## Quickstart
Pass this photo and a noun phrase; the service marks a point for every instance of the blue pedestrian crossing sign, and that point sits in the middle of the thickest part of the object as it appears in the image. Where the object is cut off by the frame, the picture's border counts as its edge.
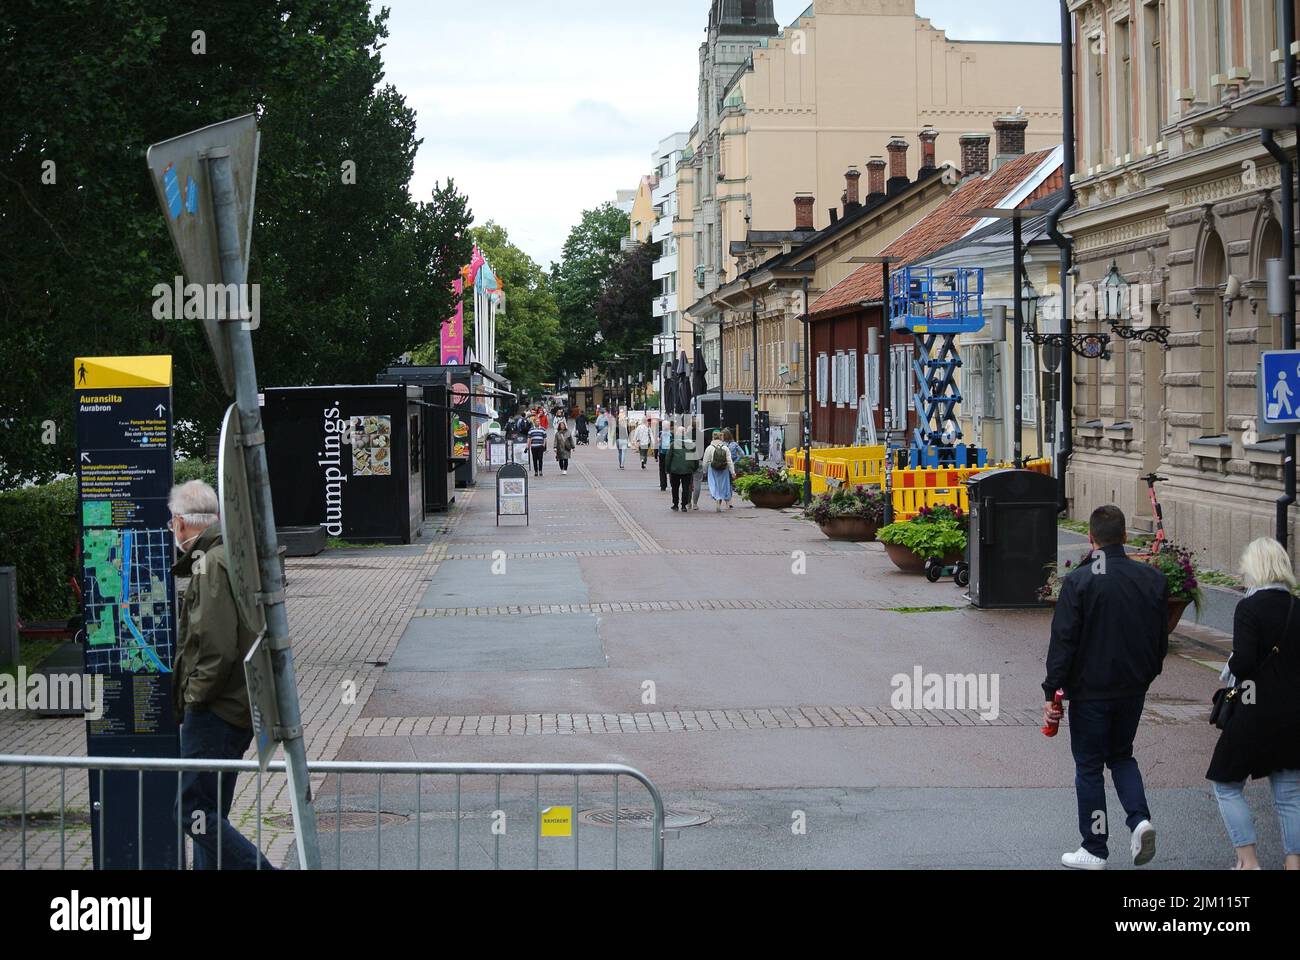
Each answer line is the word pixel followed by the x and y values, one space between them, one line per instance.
pixel 1280 388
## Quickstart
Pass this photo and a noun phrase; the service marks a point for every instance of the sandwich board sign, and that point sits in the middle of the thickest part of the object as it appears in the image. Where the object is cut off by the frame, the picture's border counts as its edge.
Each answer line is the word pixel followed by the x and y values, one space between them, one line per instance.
pixel 179 173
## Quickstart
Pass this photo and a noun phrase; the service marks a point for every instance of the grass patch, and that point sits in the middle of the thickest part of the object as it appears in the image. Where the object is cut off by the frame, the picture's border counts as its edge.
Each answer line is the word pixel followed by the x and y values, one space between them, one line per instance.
pixel 31 654
pixel 1074 526
pixel 333 543
pixel 1216 578
pixel 912 610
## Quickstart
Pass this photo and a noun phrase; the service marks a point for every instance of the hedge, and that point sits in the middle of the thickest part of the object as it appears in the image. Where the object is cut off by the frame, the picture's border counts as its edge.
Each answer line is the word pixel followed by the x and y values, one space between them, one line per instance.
pixel 38 535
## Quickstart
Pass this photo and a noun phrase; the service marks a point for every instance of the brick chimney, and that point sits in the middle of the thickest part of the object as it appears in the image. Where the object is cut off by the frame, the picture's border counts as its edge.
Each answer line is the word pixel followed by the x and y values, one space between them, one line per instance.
pixel 1011 138
pixel 928 136
pixel 876 167
pixel 975 154
pixel 898 178
pixel 852 194
pixel 803 211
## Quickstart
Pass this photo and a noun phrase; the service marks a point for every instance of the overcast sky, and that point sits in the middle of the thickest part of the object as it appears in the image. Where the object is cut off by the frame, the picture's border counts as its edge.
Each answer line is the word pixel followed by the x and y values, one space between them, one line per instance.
pixel 540 110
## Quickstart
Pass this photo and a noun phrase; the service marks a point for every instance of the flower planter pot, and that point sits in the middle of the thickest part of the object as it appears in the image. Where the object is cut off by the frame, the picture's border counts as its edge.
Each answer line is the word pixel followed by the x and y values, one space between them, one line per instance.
pixel 1176 610
pixel 909 562
pixel 850 529
pixel 767 500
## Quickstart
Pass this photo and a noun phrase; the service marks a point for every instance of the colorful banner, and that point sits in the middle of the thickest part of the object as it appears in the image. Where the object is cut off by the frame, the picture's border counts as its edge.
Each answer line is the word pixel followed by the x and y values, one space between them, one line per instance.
pixel 453 331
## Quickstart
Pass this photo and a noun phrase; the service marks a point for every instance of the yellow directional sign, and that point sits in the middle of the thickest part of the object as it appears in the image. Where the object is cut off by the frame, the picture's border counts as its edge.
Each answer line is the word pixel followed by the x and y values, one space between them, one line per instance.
pixel 557 822
pixel 118 373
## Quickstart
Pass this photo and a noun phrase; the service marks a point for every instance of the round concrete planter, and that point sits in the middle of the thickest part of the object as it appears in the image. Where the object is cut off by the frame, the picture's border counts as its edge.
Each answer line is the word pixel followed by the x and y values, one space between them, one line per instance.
pixel 909 562
pixel 851 530
pixel 767 500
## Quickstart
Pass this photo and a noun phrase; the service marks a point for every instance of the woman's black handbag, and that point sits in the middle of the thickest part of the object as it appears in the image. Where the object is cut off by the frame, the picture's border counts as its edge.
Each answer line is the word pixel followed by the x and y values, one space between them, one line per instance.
pixel 1227 700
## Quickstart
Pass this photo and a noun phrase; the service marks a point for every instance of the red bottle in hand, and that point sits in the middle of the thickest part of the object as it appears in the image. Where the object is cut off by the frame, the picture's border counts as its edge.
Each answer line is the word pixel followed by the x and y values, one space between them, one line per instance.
pixel 1054 726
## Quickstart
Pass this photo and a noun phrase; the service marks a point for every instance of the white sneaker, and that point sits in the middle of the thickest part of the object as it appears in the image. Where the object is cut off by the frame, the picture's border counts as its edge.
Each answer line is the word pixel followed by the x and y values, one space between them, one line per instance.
pixel 1081 859
pixel 1144 844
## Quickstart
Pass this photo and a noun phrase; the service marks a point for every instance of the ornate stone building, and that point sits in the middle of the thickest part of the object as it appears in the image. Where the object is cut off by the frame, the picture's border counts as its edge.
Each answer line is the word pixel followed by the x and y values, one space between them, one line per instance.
pixel 1188 214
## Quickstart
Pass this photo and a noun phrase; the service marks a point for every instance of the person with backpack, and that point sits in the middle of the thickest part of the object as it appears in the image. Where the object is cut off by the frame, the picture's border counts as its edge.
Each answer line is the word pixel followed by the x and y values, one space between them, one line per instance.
pixel 1261 725
pixel 563 447
pixel 722 470
pixel 537 443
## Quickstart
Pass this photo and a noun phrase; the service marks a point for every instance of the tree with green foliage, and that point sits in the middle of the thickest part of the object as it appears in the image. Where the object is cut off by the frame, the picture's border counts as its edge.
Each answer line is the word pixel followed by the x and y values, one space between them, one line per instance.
pixel 590 254
pixel 625 310
pixel 350 274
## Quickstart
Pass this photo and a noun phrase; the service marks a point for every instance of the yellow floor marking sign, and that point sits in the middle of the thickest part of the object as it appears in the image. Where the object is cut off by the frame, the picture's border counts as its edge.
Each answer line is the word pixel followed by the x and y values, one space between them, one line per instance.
pixel 557 822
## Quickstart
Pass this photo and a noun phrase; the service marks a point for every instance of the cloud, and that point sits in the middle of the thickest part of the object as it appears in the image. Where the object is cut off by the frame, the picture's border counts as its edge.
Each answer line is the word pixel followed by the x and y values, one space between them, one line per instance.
pixel 541 110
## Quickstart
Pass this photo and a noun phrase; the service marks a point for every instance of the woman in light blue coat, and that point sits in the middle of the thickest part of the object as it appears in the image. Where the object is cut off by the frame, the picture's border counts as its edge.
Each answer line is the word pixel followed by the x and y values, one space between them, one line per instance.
pixel 722 470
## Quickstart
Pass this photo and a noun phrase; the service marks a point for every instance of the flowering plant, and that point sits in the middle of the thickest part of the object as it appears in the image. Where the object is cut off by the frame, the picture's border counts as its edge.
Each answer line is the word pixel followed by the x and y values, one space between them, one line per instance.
pixel 934 533
pixel 862 503
pixel 765 480
pixel 1174 562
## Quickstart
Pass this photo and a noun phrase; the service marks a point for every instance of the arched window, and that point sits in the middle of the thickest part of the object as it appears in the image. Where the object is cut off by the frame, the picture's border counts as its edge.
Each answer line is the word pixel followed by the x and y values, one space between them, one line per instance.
pixel 1213 277
pixel 1268 247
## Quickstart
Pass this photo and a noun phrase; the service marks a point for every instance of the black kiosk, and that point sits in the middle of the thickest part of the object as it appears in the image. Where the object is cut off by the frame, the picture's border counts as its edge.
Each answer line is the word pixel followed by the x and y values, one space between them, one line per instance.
pixel 349 459
pixel 470 387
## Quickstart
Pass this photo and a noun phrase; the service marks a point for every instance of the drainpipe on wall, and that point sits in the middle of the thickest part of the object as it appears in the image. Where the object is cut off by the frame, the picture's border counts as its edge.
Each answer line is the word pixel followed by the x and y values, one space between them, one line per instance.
pixel 1287 169
pixel 1067 256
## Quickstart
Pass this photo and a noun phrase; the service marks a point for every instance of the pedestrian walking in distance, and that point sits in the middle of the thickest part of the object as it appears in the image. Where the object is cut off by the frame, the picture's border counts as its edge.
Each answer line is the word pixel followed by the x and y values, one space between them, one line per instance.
pixel 621 440
pixel 700 479
pixel 665 446
pixel 564 444
pixel 208 680
pixel 642 438
pixel 1261 736
pixel 1110 637
pixel 681 469
pixel 537 443
pixel 722 470
pixel 602 428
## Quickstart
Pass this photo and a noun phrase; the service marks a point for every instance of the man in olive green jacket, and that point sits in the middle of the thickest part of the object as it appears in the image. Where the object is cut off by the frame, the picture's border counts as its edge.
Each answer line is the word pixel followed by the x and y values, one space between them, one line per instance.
pixel 682 461
pixel 208 681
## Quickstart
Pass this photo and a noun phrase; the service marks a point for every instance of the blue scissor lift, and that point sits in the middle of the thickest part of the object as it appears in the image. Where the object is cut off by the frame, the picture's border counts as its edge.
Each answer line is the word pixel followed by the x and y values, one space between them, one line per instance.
pixel 936 306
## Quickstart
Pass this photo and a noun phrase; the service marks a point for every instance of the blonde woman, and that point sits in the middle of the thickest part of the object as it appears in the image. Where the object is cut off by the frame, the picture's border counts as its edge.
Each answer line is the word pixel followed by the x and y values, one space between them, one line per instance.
pixel 1262 739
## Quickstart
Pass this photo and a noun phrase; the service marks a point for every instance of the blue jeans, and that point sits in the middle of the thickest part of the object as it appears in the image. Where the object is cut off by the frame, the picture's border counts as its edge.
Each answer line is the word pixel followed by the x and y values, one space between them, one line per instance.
pixel 622 453
pixel 205 736
pixel 1286 800
pixel 1101 735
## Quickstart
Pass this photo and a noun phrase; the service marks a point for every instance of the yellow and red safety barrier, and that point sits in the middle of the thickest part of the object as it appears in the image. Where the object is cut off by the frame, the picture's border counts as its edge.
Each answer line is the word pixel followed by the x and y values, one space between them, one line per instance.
pixel 915 490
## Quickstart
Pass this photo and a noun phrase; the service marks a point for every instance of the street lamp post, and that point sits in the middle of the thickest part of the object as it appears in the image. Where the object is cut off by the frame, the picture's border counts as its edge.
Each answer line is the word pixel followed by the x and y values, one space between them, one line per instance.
pixel 807 397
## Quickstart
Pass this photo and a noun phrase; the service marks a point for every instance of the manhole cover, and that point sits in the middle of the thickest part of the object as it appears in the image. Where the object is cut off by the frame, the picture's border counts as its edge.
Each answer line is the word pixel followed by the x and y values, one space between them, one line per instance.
pixel 644 817
pixel 347 822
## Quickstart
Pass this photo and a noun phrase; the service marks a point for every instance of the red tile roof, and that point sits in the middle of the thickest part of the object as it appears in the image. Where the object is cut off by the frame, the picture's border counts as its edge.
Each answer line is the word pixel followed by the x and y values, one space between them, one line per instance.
pixel 944 225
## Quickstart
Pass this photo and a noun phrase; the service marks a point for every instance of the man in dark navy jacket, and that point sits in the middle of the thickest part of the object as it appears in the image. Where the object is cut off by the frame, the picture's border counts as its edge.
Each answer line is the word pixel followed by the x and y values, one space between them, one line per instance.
pixel 1109 641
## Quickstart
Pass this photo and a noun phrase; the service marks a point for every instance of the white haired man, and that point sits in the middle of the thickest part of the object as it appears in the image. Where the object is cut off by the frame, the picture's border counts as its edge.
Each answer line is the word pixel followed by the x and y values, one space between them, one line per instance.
pixel 208 682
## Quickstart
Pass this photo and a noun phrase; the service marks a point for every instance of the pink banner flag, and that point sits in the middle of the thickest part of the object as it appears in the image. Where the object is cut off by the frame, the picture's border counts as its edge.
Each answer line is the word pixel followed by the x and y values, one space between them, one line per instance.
pixel 453 331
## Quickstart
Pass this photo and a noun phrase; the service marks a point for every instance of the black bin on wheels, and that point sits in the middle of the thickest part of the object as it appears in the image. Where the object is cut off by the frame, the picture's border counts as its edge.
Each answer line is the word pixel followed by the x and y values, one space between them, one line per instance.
pixel 1013 538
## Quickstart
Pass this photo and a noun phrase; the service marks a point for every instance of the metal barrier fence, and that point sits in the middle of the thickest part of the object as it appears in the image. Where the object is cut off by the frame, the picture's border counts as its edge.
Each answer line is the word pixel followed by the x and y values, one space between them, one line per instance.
pixel 915 490
pixel 836 467
pixel 338 769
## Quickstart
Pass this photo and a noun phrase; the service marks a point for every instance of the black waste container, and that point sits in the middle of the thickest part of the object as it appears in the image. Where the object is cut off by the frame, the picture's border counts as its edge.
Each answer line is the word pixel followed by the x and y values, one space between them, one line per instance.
pixel 1013 537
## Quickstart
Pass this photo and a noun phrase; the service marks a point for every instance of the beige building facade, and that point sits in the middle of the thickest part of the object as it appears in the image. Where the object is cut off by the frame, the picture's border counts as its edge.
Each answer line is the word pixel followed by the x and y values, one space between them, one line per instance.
pixel 787 112
pixel 1189 215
